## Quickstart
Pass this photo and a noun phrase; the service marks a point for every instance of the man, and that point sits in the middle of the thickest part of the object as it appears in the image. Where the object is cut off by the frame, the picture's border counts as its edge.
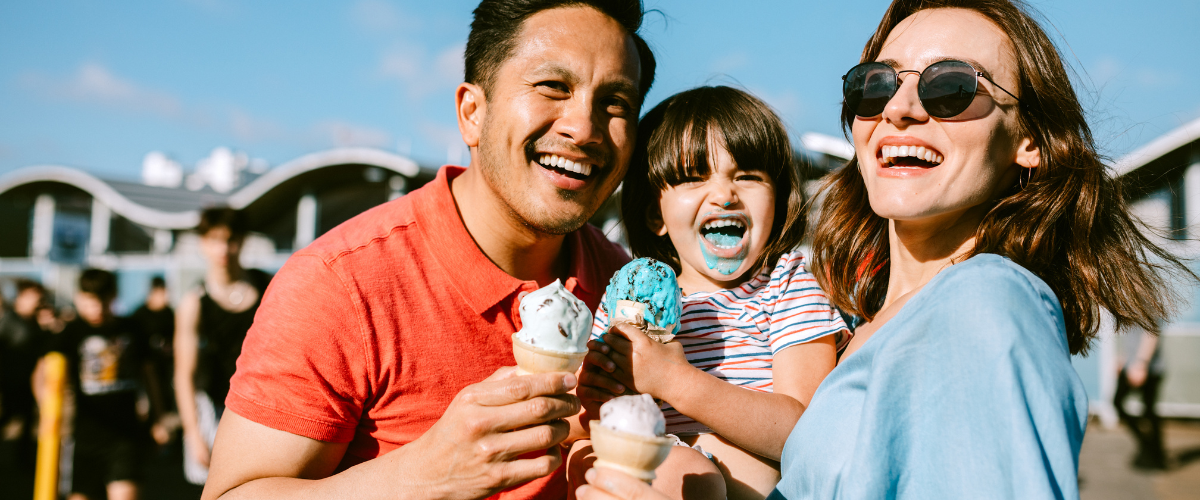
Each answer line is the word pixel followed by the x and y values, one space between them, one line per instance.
pixel 374 365
pixel 21 342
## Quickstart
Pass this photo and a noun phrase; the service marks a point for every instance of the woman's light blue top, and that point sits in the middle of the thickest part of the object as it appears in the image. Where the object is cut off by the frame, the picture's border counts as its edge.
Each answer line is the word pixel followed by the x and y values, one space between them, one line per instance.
pixel 968 392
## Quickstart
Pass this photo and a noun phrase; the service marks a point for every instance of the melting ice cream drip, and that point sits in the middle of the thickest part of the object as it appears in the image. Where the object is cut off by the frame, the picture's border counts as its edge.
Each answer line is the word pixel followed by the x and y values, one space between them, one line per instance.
pixel 552 318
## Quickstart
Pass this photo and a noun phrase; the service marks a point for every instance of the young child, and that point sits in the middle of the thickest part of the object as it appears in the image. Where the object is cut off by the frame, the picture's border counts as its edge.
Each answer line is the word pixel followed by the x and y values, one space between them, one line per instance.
pixel 712 191
pixel 107 364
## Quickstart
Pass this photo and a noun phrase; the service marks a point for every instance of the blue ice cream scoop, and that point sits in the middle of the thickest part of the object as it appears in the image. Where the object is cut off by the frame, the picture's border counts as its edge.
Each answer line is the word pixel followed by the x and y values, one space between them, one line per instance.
pixel 646 293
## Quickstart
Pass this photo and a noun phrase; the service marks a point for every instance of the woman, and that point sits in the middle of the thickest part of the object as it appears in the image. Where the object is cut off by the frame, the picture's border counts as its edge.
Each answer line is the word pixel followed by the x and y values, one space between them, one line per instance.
pixel 211 324
pixel 979 235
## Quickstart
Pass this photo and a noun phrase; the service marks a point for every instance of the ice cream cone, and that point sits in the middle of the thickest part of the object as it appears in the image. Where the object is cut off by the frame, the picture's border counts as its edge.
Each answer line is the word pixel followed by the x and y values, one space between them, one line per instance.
pixel 532 359
pixel 632 454
pixel 635 313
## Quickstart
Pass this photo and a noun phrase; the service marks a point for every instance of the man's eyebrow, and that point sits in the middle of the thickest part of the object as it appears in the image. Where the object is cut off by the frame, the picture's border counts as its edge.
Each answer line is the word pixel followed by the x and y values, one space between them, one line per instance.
pixel 621 86
pixel 550 68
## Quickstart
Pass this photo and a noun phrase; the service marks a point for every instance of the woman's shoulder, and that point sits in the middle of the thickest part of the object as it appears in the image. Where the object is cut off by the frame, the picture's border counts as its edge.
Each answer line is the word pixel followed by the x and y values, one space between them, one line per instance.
pixel 991 281
pixel 988 302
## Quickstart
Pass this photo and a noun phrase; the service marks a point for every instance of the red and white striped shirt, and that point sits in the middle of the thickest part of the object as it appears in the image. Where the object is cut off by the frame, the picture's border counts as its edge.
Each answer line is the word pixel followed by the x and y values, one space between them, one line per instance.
pixel 734 334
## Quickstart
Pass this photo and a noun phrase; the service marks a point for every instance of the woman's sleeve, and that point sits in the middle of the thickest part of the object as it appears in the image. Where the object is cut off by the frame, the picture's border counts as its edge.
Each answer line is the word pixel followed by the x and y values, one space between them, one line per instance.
pixel 975 398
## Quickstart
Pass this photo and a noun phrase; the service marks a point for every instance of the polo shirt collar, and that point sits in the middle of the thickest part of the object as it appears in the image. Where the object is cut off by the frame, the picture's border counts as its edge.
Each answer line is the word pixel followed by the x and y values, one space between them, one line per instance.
pixel 480 282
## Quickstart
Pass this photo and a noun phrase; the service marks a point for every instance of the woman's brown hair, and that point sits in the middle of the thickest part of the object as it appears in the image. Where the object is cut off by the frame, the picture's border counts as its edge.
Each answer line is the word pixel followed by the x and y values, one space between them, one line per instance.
pixel 673 144
pixel 1065 221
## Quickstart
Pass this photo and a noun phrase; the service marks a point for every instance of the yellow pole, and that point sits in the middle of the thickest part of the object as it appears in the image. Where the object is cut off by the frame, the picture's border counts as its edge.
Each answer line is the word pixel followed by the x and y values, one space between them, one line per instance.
pixel 54 367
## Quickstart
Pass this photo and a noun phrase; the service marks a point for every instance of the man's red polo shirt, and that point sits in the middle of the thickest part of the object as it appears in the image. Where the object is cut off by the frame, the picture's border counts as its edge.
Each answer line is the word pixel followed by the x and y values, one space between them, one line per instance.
pixel 366 335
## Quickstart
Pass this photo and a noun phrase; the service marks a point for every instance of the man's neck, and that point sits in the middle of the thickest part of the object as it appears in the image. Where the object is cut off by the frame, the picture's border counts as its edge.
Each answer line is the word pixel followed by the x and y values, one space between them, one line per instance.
pixel 517 249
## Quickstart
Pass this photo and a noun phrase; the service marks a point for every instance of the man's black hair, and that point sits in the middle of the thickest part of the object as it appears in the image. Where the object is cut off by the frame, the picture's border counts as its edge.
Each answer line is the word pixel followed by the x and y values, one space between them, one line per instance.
pixel 98 282
pixel 157 282
pixel 498 22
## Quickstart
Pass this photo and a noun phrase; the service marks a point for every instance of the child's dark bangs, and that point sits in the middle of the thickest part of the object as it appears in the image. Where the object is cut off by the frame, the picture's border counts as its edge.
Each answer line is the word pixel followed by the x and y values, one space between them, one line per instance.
pixel 754 137
pixel 678 147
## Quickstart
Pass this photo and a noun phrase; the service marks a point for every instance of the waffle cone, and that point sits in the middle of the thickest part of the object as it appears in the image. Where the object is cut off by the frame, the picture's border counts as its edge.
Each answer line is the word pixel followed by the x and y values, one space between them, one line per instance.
pixel 635 455
pixel 532 359
pixel 635 313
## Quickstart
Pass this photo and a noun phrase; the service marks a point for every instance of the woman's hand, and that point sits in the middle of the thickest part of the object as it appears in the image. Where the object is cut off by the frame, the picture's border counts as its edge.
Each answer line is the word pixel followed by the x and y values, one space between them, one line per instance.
pixel 608 484
pixel 642 363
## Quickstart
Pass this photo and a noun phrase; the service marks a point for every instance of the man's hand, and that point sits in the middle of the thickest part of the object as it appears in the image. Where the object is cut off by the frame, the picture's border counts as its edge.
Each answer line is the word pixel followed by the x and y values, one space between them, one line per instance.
pixel 608 484
pixel 475 449
pixel 642 363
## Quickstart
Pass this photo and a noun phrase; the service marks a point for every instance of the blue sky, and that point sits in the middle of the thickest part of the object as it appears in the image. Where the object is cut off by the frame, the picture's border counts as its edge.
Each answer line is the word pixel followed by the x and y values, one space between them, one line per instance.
pixel 99 84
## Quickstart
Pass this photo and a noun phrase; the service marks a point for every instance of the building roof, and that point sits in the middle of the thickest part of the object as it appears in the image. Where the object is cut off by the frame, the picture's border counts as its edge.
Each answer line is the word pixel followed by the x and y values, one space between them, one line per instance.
pixel 1158 148
pixel 178 208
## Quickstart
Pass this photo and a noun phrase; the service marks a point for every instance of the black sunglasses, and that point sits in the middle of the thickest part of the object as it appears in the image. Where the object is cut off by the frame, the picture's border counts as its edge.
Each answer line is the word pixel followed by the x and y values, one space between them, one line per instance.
pixel 946 88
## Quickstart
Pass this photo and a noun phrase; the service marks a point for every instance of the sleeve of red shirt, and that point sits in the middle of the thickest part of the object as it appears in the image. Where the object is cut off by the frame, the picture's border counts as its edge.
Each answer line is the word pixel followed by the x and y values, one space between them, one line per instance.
pixel 304 365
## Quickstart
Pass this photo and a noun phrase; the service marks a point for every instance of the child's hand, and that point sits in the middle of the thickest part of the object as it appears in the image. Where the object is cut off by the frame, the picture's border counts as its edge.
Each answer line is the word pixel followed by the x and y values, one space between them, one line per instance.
pixel 597 384
pixel 643 364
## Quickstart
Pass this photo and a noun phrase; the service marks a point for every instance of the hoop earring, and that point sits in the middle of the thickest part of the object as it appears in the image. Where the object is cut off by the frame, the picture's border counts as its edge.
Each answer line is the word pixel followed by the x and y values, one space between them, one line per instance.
pixel 1024 177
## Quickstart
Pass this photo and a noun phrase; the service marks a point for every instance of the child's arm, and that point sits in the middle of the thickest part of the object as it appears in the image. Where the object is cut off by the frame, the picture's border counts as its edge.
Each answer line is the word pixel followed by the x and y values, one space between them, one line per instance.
pixel 759 422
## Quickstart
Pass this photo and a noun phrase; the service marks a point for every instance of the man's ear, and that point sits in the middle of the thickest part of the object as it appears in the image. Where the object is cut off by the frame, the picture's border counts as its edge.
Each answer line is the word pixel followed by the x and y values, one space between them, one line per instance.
pixel 471 106
pixel 1029 155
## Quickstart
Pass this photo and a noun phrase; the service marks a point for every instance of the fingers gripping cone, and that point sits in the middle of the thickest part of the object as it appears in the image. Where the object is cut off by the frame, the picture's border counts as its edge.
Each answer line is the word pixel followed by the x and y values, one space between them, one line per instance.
pixel 632 454
pixel 635 313
pixel 531 359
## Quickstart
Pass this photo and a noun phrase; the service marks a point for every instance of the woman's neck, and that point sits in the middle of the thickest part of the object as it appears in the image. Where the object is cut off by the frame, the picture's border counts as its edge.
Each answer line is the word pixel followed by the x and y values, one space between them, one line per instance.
pixel 921 249
pixel 223 276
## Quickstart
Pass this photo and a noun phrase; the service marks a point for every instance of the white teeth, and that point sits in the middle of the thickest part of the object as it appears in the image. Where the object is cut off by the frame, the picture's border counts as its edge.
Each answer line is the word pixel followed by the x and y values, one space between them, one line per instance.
pixel 723 223
pixel 890 153
pixel 584 169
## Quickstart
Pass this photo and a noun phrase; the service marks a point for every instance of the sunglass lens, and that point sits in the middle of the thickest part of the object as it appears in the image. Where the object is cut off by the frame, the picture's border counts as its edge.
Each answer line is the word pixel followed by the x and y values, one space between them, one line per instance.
pixel 947 88
pixel 868 88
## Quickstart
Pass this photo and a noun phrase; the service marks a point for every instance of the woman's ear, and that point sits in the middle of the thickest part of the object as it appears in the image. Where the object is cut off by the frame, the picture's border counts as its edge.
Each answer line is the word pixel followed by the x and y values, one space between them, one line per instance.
pixel 1029 155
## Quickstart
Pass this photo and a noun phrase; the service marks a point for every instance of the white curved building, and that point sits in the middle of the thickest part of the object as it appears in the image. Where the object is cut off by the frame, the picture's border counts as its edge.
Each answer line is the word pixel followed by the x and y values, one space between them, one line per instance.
pixel 56 220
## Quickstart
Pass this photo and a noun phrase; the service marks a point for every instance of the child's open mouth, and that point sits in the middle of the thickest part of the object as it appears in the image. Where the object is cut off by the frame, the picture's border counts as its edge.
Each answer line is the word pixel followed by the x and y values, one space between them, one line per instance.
pixel 724 233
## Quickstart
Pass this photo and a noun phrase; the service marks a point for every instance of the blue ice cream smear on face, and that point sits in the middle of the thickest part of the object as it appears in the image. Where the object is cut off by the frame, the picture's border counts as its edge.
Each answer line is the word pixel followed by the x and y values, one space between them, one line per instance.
pixel 652 283
pixel 723 265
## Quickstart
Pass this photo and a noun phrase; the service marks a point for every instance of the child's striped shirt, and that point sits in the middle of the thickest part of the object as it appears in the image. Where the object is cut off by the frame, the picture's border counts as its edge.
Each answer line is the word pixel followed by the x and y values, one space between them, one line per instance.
pixel 733 334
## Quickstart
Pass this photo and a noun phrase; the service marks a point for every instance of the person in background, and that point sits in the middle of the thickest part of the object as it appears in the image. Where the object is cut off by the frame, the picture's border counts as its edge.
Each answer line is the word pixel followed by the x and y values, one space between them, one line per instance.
pixel 211 324
pixel 108 363
pixel 157 319
pixel 1142 372
pixel 21 342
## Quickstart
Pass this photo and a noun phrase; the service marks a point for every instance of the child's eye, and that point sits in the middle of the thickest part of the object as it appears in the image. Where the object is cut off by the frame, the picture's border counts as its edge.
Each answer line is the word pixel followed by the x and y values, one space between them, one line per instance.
pixel 691 179
pixel 752 177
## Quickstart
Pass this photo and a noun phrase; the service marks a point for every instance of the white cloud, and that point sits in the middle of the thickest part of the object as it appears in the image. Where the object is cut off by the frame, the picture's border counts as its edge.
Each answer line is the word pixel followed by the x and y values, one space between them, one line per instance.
pixel 380 16
pixel 420 73
pixel 730 62
pixel 344 134
pixel 248 128
pixel 94 83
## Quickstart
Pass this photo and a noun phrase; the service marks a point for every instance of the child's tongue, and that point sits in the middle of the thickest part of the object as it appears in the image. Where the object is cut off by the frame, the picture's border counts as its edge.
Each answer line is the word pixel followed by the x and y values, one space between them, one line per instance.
pixel 722 240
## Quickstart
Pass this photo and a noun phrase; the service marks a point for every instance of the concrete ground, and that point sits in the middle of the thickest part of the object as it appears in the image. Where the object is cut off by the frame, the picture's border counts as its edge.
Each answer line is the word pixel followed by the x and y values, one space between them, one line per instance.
pixel 1105 472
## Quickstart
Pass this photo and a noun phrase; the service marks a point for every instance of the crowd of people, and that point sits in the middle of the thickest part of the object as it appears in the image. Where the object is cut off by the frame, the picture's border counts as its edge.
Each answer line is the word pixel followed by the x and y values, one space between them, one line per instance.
pixel 136 382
